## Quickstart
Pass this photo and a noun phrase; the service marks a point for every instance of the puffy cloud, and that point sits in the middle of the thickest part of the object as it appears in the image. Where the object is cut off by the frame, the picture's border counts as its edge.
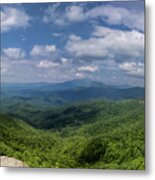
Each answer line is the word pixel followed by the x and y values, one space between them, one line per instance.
pixel 12 18
pixel 133 68
pixel 13 53
pixel 101 31
pixel 54 15
pixel 133 19
pixel 106 42
pixel 42 50
pixel 47 64
pixel 118 16
pixel 75 13
pixel 73 37
pixel 89 68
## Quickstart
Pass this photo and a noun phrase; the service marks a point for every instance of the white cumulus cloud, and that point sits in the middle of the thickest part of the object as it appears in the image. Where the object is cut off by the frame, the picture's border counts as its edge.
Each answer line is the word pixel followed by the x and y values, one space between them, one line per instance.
pixel 54 15
pixel 108 42
pixel 75 13
pixel 13 53
pixel 12 18
pixel 118 16
pixel 113 15
pixel 47 64
pixel 133 68
pixel 42 50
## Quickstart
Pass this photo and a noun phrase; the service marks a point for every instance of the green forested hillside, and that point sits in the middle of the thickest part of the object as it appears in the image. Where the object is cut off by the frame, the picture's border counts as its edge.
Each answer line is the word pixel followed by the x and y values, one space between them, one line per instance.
pixel 98 134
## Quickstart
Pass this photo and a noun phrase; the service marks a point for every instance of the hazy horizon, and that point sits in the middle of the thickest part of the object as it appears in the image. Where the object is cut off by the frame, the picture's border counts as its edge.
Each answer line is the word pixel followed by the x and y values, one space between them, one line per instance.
pixel 44 82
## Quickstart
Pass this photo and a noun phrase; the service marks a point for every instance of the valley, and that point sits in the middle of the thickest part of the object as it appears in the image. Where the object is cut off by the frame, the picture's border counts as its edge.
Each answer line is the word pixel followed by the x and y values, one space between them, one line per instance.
pixel 86 130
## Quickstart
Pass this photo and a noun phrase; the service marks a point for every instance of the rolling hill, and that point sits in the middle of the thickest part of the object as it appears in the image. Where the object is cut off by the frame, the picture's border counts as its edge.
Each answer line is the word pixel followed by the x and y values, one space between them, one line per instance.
pixel 75 124
pixel 35 102
pixel 98 134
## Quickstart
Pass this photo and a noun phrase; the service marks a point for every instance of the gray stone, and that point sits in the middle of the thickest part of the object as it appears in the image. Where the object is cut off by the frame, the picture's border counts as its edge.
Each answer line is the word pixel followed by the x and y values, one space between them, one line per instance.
pixel 11 162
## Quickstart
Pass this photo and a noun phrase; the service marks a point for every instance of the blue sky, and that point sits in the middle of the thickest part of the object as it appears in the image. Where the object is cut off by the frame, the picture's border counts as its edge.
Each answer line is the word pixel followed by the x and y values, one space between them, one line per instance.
pixel 57 42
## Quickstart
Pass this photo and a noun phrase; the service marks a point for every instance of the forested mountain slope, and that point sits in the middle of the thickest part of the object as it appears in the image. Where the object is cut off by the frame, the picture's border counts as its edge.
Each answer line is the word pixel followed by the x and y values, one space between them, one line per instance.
pixel 113 137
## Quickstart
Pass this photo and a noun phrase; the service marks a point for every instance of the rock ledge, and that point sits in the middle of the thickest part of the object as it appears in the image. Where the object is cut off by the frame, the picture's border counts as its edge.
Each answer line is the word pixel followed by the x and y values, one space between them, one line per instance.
pixel 11 162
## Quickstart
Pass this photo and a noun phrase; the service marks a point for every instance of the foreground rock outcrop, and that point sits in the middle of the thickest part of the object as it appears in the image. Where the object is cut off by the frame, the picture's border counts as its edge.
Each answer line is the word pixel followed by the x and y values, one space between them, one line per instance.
pixel 11 162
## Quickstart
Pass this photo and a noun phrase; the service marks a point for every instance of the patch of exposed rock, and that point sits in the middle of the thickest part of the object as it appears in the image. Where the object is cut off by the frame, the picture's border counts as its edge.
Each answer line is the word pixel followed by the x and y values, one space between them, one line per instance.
pixel 11 162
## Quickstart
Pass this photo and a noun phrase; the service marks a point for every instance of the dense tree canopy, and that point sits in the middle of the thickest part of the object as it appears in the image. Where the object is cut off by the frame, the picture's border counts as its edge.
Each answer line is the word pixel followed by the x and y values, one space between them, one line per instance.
pixel 97 134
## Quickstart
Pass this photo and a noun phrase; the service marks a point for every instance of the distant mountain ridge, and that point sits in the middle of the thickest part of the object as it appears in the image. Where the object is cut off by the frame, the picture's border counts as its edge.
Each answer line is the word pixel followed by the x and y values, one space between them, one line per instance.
pixel 47 94
pixel 62 85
